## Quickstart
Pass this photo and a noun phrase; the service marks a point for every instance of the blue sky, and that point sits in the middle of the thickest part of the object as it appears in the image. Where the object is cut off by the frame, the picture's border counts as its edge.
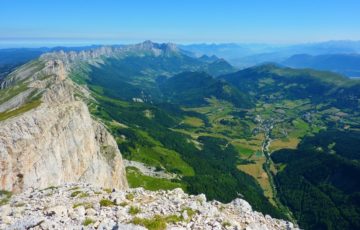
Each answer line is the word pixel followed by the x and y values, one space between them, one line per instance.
pixel 182 21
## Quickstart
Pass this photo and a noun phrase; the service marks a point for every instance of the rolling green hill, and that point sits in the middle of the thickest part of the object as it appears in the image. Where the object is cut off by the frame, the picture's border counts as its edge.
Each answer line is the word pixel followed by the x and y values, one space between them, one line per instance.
pixel 271 82
pixel 192 89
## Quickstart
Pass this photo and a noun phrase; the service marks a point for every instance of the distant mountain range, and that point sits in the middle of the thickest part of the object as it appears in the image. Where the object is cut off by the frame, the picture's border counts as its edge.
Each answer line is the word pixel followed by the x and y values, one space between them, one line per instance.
pixel 239 55
pixel 346 64
pixel 246 55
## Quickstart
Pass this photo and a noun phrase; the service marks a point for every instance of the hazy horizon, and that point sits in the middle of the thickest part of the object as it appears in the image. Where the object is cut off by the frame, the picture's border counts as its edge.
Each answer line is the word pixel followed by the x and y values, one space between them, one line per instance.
pixel 6 44
pixel 43 23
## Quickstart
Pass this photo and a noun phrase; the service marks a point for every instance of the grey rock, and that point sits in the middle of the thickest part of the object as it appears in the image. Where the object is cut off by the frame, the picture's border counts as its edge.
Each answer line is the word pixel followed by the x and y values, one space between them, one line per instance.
pixel 130 227
pixel 107 223
pixel 27 223
pixel 90 212
pixel 242 205
pixel 201 198
pixel 80 211
pixel 59 210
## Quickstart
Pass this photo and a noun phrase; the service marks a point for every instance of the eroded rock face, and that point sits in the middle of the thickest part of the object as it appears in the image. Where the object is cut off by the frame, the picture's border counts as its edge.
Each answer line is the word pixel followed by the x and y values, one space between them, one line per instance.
pixel 57 141
pixel 94 55
pixel 82 206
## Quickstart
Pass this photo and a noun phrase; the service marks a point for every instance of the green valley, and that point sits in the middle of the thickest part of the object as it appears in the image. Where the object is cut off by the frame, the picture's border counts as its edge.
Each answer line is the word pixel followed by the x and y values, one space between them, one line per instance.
pixel 220 135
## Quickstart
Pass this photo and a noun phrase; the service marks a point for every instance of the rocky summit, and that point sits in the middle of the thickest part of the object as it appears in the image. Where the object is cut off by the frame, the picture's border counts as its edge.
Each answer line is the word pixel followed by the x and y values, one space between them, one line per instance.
pixel 83 206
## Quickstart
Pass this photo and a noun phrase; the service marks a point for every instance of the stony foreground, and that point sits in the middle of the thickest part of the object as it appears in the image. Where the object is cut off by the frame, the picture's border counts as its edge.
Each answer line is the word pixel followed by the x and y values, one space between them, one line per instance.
pixel 82 206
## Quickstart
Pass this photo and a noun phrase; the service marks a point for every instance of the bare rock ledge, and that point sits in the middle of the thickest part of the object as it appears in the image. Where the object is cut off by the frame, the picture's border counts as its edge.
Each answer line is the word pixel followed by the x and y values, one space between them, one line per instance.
pixel 83 206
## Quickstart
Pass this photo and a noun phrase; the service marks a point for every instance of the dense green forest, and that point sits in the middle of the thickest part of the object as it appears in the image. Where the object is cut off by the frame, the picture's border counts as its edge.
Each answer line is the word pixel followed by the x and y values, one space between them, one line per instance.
pixel 320 182
pixel 192 89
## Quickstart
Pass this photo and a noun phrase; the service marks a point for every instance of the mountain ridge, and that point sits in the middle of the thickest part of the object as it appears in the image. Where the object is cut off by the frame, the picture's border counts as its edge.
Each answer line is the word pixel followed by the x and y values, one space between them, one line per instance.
pixel 346 64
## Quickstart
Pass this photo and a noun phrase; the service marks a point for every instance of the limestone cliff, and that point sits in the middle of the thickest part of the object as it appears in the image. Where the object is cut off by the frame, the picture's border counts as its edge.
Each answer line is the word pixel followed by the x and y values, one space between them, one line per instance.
pixel 95 55
pixel 48 137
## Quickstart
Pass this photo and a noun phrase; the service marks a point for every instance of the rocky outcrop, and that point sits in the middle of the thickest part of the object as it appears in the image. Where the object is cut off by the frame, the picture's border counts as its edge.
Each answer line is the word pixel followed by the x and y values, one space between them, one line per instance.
pixel 81 206
pixel 57 141
pixel 150 170
pixel 95 55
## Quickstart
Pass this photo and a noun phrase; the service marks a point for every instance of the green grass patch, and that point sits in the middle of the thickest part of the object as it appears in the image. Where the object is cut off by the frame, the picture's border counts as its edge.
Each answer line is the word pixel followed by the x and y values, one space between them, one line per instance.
pixel 88 221
pixel 86 205
pixel 152 152
pixel 8 93
pixel 226 224
pixel 75 193
pixel 161 157
pixel 243 150
pixel 107 190
pixel 83 195
pixel 173 161
pixel 4 197
pixel 24 108
pixel 173 219
pixel 157 222
pixel 106 203
pixel 136 179
pixel 79 194
pixel 80 75
pixel 123 204
pixel 134 210
pixel 301 127
pixel 194 121
pixel 130 196
pixel 190 212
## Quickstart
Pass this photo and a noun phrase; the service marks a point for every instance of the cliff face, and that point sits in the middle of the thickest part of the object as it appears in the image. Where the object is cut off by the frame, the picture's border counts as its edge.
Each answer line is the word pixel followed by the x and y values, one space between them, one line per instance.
pixel 95 55
pixel 47 137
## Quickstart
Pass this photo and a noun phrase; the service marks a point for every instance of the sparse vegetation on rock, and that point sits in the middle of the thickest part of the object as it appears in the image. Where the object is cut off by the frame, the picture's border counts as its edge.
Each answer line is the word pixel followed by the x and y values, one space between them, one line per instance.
pixel 155 210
